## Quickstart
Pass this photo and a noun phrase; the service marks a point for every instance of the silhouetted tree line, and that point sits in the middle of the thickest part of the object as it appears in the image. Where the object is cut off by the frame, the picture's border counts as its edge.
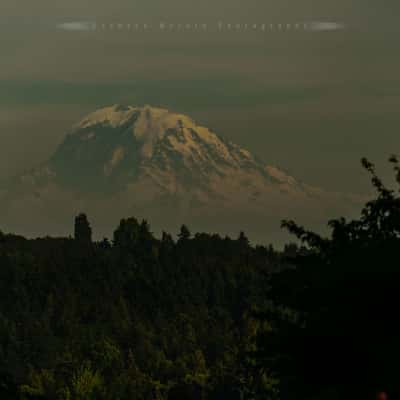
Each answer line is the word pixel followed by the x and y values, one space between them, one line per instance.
pixel 132 318
pixel 203 316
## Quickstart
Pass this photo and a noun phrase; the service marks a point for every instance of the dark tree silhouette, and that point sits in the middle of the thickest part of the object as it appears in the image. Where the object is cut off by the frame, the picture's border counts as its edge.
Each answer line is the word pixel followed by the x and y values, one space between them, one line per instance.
pixel 83 231
pixel 335 329
pixel 127 234
pixel 184 233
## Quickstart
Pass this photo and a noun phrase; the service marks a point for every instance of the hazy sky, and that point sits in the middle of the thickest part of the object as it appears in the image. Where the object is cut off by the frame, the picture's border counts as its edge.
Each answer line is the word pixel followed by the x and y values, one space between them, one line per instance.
pixel 313 103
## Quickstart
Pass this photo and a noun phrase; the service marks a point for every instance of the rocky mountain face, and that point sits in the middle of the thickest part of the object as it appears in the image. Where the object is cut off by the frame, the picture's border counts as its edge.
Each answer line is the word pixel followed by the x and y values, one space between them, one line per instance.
pixel 160 165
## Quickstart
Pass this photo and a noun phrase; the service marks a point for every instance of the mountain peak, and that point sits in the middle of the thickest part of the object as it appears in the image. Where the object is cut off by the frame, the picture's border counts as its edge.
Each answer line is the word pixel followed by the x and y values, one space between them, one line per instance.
pixel 148 124
pixel 126 143
pixel 113 116
pixel 150 161
pixel 148 116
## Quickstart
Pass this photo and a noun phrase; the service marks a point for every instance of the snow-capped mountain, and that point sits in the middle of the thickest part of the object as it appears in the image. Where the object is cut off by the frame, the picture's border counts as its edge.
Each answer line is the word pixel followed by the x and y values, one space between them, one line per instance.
pixel 154 163
pixel 117 147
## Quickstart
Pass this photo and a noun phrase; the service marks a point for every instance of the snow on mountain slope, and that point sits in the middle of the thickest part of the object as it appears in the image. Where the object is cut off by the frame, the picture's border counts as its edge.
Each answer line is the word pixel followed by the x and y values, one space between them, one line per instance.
pixel 151 162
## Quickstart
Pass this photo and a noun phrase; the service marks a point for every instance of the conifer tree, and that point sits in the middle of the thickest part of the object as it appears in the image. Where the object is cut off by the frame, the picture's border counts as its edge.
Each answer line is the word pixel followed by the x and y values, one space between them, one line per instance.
pixel 83 231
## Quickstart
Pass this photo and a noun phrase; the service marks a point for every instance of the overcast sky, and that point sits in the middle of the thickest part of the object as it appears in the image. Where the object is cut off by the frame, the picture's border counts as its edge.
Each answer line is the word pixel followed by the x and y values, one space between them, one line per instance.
pixel 313 103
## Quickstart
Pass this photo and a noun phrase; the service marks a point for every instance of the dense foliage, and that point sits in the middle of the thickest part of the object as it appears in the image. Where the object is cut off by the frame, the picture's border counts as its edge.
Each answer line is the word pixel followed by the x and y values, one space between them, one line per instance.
pixel 336 330
pixel 203 317
pixel 138 318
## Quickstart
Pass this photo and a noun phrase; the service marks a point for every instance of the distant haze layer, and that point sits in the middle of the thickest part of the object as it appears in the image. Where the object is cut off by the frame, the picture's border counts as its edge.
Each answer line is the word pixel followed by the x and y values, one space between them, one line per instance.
pixel 313 103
